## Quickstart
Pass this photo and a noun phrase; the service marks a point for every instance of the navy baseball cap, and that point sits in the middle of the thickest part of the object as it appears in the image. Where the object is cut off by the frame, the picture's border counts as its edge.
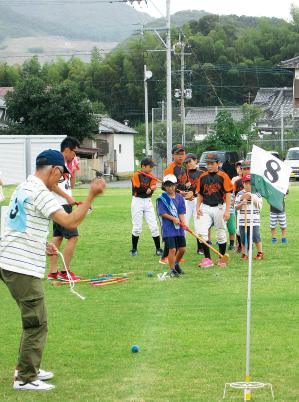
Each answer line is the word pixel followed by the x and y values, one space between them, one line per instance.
pixel 245 165
pixel 189 157
pixel 52 157
pixel 148 161
pixel 212 157
pixel 177 148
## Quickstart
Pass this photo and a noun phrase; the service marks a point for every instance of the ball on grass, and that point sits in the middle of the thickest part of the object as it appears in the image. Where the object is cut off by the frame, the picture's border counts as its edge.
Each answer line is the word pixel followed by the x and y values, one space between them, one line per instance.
pixel 125 275
pixel 135 349
pixel 150 274
pixel 110 275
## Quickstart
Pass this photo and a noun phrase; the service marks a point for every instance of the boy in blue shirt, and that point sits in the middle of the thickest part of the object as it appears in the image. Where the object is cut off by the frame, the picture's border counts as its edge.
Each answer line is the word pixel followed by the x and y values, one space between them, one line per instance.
pixel 172 209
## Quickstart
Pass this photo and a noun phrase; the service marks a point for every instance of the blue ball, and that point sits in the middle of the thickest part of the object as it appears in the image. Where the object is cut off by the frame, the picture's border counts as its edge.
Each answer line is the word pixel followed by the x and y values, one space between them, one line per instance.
pixel 110 275
pixel 135 349
pixel 150 274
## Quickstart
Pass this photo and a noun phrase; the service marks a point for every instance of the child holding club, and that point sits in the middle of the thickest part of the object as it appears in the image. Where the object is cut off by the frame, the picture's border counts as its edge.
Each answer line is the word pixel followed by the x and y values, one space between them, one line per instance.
pixel 238 186
pixel 243 205
pixel 177 169
pixel 172 209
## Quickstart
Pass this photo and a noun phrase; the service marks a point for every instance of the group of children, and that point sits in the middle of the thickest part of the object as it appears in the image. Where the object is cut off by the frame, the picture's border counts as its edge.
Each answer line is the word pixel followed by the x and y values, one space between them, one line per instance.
pixel 211 197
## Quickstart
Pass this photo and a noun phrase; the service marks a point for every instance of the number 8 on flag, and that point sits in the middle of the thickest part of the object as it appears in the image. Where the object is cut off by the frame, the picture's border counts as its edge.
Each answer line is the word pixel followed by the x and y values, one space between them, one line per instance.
pixel 269 176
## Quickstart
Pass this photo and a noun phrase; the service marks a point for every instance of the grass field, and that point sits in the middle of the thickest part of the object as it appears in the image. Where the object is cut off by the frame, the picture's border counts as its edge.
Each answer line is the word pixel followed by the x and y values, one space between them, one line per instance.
pixel 191 331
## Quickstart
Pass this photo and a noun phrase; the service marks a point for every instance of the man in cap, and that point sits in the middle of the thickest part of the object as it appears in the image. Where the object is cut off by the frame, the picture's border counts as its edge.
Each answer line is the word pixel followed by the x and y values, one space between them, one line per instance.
pixel 213 203
pixel 23 251
pixel 143 188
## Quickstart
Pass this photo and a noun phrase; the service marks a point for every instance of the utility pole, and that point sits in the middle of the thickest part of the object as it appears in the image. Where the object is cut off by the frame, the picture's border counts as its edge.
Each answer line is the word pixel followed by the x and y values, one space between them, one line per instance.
pixel 167 46
pixel 147 75
pixel 169 103
pixel 183 90
pixel 281 126
pixel 182 93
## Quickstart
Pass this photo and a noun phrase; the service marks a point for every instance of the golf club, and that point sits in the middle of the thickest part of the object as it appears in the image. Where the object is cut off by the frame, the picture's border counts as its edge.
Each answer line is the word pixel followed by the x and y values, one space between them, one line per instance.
pixel 224 257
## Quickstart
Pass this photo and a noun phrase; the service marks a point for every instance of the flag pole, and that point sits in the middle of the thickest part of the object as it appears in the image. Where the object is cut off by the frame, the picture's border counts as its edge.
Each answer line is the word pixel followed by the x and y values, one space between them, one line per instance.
pixel 248 385
pixel 247 391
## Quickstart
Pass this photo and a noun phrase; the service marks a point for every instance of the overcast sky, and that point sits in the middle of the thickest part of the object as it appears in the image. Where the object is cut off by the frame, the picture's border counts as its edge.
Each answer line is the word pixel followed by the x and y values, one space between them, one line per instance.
pixel 256 8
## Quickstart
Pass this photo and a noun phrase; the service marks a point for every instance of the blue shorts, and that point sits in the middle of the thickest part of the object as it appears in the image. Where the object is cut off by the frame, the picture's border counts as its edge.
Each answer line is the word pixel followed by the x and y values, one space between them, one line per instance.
pixel 256 237
pixel 175 241
pixel 59 230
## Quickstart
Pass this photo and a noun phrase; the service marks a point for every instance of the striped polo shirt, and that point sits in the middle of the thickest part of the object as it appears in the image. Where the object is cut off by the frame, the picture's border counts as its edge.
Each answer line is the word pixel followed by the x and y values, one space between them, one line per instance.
pixel 256 211
pixel 22 248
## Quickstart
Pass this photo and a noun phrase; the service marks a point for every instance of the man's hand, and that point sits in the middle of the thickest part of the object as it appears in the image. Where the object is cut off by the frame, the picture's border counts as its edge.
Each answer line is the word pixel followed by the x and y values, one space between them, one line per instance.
pixel 176 221
pixel 188 184
pixel 154 187
pixel 97 186
pixel 51 249
pixel 183 193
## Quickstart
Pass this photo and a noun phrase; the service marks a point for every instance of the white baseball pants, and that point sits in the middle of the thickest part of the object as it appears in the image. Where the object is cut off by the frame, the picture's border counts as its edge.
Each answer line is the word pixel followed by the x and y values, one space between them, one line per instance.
pixel 143 207
pixel 211 214
pixel 191 210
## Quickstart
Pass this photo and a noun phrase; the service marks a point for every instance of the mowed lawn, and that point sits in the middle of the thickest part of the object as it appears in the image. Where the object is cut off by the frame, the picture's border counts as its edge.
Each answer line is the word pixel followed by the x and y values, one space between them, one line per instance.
pixel 191 331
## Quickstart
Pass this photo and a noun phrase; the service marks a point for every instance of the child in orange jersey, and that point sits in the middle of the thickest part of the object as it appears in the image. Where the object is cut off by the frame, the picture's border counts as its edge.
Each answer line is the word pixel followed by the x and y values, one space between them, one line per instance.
pixel 142 206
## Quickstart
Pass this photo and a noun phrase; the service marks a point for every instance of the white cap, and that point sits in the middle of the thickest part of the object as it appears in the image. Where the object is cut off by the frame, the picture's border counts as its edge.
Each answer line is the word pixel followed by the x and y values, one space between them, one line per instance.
pixel 170 177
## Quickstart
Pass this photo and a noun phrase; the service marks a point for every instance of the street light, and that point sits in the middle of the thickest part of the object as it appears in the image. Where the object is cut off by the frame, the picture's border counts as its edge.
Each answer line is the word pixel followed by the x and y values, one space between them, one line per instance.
pixel 147 75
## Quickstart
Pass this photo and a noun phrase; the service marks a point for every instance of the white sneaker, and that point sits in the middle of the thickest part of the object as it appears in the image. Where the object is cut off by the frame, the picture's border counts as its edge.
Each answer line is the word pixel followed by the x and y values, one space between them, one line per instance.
pixel 32 386
pixel 41 375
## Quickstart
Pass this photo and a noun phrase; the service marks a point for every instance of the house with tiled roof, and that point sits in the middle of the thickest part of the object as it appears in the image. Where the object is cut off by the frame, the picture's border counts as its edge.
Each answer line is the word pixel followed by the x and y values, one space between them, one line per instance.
pixel 202 119
pixel 293 64
pixel 112 147
pixel 277 105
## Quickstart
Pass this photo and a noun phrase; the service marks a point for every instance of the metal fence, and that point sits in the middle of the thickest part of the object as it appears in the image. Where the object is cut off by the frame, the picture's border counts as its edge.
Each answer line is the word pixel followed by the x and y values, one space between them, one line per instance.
pixel 198 123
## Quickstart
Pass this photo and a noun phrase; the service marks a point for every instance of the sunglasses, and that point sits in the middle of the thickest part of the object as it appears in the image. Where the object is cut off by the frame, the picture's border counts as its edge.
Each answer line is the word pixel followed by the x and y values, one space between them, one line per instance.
pixel 62 178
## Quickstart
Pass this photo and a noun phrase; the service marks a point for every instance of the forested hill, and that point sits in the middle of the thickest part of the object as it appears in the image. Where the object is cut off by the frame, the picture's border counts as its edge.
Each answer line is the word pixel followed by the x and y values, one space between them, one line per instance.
pixel 103 22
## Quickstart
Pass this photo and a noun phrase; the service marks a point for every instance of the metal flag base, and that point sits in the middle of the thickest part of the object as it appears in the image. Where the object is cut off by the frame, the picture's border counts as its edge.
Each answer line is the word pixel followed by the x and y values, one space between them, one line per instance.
pixel 247 386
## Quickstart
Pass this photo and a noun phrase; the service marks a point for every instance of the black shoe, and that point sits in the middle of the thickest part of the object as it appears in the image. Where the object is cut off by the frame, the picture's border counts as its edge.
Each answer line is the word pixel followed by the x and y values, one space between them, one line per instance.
pixel 174 274
pixel 159 251
pixel 200 251
pixel 231 248
pixel 179 270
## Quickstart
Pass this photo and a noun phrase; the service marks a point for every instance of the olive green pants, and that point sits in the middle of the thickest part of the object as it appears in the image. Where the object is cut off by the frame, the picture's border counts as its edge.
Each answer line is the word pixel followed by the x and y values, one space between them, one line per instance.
pixel 29 295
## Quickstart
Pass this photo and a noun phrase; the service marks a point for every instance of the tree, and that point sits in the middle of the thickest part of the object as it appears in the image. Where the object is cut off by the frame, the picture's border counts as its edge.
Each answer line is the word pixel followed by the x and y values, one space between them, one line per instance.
pixel 225 137
pixel 34 108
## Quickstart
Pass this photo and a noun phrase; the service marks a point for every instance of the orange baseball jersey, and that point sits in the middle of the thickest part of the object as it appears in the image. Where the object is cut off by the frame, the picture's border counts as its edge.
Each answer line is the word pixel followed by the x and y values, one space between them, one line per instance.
pixel 140 184
pixel 238 185
pixel 180 173
pixel 213 187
